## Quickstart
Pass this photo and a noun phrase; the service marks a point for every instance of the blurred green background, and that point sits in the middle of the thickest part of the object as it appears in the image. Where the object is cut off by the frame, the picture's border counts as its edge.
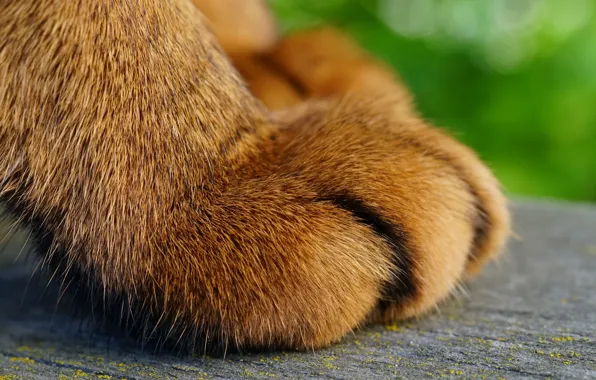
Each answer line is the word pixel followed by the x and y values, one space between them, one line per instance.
pixel 515 79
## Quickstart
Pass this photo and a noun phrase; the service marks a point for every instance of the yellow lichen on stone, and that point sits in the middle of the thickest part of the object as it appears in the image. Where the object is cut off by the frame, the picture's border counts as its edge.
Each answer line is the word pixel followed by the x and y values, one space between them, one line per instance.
pixel 21 360
pixel 247 373
pixel 78 374
pixel 328 360
pixel 563 339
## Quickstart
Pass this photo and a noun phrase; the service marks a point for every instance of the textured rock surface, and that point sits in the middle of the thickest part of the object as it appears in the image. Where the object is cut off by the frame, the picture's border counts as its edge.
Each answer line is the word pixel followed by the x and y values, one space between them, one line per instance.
pixel 532 316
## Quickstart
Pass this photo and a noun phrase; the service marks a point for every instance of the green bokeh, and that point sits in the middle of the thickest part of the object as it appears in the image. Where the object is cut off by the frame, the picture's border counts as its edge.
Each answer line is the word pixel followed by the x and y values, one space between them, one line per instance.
pixel 515 79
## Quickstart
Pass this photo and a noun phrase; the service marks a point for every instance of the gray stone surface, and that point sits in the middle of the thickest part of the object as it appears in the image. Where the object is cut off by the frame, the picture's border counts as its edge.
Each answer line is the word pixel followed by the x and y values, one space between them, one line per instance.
pixel 532 316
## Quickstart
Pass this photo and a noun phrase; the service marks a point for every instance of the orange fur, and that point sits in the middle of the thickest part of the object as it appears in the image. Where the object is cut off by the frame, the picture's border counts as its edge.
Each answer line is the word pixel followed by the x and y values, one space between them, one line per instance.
pixel 241 26
pixel 152 177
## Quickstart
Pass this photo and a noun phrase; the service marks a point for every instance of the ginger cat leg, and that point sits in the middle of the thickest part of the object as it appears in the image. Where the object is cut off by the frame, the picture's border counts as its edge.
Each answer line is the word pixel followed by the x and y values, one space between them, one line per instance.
pixel 156 181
